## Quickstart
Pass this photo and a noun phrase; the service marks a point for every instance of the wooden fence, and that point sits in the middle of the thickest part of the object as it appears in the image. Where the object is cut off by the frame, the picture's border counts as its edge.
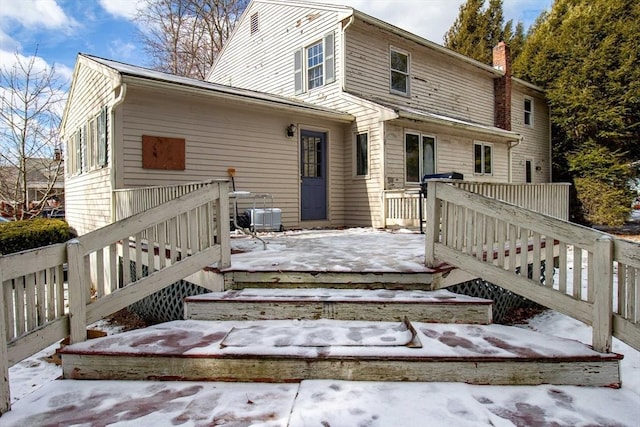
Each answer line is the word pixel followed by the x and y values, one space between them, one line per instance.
pixel 56 291
pixel 507 244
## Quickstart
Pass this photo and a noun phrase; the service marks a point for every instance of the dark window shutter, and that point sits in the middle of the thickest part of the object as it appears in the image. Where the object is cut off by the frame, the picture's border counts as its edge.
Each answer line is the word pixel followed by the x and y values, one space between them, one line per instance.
pixel 329 58
pixel 297 71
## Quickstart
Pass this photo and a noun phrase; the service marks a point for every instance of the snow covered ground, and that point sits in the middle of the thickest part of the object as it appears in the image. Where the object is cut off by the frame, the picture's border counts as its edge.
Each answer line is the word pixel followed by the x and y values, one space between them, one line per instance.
pixel 38 400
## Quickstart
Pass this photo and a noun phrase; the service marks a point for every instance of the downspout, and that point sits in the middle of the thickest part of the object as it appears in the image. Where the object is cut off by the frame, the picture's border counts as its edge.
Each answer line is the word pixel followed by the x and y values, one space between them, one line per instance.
pixel 112 175
pixel 516 143
pixel 343 78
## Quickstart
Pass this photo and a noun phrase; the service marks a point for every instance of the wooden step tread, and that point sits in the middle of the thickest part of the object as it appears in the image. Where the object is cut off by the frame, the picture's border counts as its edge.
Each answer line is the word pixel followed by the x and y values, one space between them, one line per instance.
pixel 339 295
pixel 341 304
pixel 477 354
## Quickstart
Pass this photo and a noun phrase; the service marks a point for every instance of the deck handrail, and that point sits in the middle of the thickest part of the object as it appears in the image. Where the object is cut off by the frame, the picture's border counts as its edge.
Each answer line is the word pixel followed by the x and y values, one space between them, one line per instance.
pixel 401 206
pixel 107 269
pixel 498 241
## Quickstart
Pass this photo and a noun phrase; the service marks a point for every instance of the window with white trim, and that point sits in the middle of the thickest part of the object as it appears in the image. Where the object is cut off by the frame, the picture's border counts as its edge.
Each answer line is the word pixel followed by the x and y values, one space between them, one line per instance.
pixel 314 66
pixel 420 156
pixel 399 67
pixel 361 151
pixel 528 170
pixel 528 111
pixel 87 146
pixel 482 158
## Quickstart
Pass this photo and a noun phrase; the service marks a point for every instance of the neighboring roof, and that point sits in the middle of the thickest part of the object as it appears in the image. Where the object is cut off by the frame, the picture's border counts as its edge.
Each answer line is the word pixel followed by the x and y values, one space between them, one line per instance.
pixel 411 113
pixel 258 98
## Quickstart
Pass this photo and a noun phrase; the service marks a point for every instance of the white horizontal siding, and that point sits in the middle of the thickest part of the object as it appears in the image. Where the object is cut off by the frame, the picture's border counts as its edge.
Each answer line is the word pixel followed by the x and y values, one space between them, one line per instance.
pixel 454 153
pixel 88 195
pixel 438 83
pixel 221 135
pixel 535 144
pixel 264 61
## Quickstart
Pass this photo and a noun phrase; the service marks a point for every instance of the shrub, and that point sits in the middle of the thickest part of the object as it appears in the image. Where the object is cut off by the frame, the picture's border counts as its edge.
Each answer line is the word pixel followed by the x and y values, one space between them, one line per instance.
pixel 601 179
pixel 602 203
pixel 19 236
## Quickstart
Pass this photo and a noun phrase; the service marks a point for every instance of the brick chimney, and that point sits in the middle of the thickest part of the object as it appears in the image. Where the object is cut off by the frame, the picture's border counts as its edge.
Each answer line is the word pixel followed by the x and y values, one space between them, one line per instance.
pixel 502 87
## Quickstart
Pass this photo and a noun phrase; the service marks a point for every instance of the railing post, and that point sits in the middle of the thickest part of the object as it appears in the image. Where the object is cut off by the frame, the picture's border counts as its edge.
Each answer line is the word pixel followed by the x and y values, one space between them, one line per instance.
pixel 77 292
pixel 432 220
pixel 222 226
pixel 5 393
pixel 603 294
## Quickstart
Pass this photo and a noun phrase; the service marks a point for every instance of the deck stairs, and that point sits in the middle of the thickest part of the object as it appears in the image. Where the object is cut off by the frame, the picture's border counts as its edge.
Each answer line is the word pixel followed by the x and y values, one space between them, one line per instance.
pixel 339 330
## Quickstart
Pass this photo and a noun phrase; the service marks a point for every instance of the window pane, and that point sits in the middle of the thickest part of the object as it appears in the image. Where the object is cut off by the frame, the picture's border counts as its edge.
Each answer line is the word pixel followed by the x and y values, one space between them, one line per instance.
pixel 412 155
pixel 399 62
pixel 487 160
pixel 311 157
pixel 398 82
pixel 477 158
pixel 314 65
pixel 362 155
pixel 428 155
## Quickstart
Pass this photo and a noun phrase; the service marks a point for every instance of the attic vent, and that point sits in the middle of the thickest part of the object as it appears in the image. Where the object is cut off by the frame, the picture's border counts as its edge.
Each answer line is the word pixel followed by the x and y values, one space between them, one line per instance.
pixel 254 23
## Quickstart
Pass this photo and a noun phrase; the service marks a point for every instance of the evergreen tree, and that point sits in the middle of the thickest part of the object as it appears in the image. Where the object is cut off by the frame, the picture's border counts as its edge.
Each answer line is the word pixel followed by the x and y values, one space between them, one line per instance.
pixel 477 31
pixel 586 54
pixel 467 34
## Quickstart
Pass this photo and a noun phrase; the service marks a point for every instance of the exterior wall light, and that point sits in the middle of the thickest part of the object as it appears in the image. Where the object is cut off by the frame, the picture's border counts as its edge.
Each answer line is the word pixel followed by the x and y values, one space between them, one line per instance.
pixel 291 130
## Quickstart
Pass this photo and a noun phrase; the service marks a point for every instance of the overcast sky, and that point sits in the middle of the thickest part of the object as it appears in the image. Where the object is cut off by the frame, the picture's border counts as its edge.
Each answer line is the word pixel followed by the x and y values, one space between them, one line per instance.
pixel 60 29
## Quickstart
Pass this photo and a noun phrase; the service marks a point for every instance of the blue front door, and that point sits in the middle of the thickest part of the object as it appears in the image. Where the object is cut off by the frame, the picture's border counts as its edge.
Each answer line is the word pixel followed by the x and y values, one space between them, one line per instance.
pixel 313 187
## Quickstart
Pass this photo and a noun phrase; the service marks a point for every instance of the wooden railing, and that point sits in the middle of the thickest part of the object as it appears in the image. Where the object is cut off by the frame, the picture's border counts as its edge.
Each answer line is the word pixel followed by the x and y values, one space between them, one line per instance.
pixel 130 201
pixel 402 206
pixel 104 269
pixel 507 244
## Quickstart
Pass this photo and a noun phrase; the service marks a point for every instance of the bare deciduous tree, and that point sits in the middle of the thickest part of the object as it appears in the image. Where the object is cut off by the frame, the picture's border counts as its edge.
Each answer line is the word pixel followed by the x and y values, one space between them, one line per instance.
pixel 31 166
pixel 184 37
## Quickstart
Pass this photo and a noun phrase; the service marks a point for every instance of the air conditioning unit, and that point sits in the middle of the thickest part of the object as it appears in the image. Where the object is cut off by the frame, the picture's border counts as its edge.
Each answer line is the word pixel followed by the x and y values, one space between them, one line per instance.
pixel 269 219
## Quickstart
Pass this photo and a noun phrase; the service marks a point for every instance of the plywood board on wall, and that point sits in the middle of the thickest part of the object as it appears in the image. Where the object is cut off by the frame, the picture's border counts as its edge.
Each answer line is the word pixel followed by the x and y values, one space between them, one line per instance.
pixel 163 153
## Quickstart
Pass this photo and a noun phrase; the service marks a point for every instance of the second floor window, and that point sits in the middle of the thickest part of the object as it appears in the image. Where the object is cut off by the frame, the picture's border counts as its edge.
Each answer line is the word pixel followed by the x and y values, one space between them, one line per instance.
pixel 399 65
pixel 314 66
pixel 528 111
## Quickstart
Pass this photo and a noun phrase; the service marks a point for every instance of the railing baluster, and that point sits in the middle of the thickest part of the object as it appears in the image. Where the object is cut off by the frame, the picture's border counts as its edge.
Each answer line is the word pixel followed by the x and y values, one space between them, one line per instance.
pixel 577 272
pixel 562 268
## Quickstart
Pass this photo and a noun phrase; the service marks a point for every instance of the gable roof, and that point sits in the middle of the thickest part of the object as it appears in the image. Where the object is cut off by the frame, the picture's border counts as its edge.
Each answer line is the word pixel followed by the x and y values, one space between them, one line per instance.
pixel 134 74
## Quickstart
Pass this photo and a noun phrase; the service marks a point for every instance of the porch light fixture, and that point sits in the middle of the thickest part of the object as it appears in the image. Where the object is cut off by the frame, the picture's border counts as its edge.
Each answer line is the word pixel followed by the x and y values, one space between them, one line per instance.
pixel 291 130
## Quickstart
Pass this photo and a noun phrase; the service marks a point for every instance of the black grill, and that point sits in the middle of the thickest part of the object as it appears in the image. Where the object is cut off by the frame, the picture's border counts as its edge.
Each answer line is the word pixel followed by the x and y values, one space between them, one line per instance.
pixel 446 175
pixel 423 187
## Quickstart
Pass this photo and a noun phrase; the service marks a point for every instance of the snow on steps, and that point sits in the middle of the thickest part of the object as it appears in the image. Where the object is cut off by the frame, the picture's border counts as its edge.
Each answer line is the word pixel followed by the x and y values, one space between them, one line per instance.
pixel 342 304
pixel 296 350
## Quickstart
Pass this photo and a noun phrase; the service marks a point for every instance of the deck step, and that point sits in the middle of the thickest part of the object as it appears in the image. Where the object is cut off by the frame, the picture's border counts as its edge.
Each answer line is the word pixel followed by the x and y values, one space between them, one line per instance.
pixel 240 279
pixel 296 350
pixel 342 304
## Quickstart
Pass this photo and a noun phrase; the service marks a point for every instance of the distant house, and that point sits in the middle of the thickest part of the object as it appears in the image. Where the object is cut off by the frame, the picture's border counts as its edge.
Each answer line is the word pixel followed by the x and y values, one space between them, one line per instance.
pixel 44 184
pixel 325 108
